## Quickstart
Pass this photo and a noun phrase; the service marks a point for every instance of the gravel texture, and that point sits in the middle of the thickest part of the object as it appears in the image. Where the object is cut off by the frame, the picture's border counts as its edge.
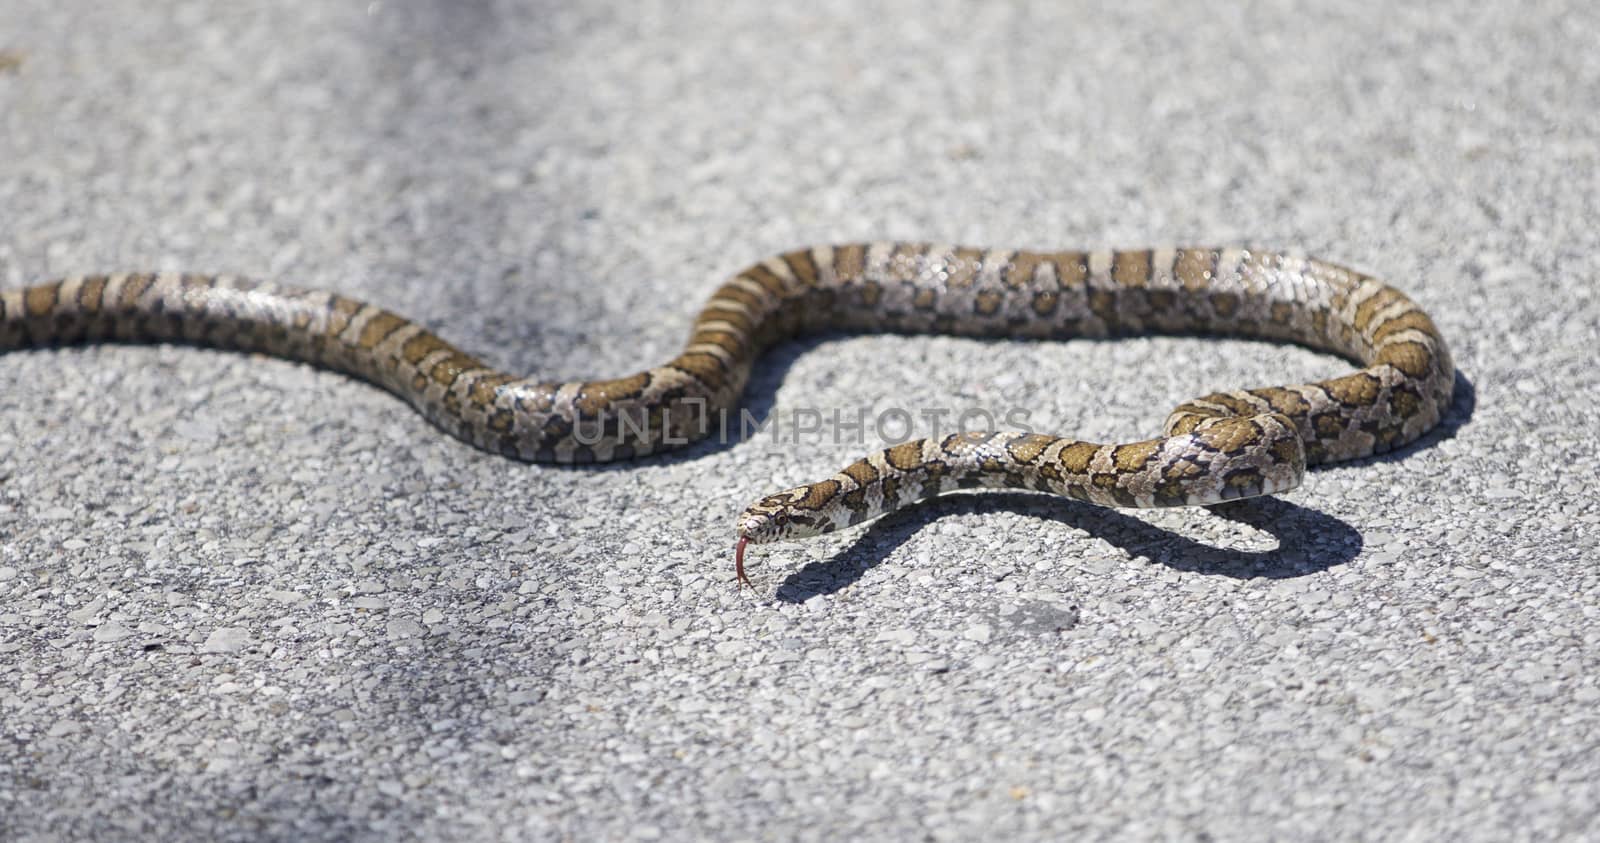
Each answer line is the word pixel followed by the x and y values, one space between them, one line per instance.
pixel 245 599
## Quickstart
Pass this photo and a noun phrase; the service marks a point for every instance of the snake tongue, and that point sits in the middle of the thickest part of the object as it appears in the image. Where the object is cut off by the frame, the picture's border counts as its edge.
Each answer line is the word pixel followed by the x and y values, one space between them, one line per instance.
pixel 738 562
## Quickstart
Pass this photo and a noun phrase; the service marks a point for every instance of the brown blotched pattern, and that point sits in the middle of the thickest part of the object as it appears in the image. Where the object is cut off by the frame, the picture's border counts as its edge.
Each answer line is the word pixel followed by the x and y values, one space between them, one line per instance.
pixel 1220 447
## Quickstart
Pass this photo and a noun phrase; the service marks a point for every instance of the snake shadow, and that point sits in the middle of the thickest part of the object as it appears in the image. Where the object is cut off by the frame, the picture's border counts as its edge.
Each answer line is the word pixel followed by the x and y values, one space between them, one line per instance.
pixel 1308 540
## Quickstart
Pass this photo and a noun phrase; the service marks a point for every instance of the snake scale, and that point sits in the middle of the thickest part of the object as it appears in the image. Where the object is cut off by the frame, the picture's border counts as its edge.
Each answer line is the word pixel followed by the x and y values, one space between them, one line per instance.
pixel 1220 447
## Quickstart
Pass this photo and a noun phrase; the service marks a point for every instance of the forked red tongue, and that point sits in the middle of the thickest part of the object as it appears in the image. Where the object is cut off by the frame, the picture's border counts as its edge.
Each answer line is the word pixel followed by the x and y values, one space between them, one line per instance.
pixel 738 562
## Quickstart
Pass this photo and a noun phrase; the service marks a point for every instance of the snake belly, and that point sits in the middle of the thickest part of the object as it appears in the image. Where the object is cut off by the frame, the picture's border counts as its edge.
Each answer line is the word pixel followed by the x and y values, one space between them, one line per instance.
pixel 1222 446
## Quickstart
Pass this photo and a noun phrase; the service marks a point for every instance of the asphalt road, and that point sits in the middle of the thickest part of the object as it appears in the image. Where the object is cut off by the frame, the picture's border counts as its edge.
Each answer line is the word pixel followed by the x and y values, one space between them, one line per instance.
pixel 245 599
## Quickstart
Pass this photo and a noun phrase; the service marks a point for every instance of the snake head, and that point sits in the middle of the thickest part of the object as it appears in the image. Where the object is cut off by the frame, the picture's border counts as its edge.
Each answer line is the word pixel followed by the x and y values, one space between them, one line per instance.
pixel 760 526
pixel 777 518
pixel 782 516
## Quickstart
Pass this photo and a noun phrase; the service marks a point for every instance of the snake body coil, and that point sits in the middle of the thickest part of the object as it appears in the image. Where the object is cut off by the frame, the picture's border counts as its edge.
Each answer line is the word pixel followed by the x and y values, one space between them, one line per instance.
pixel 1223 446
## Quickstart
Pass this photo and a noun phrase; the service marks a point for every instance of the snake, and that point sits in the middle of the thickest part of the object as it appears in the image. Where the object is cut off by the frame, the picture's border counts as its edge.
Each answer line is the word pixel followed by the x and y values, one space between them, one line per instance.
pixel 1220 447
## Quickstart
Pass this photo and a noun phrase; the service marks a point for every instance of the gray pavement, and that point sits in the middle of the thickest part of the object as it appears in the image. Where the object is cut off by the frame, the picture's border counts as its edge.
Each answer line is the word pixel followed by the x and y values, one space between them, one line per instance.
pixel 245 599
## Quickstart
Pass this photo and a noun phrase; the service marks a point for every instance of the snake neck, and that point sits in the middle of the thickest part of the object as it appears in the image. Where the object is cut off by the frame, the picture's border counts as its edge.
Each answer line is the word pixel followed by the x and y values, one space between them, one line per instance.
pixel 1219 460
